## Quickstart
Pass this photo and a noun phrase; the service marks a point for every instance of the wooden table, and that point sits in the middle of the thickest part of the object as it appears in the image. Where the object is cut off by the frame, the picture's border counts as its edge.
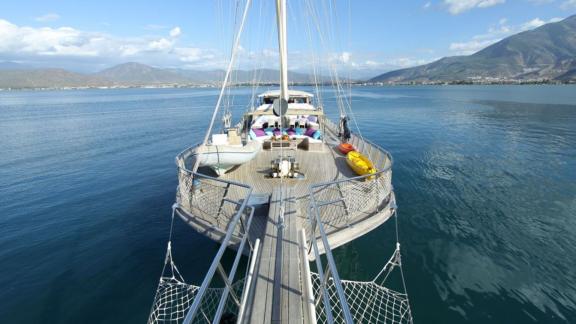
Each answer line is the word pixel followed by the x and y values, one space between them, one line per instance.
pixel 290 144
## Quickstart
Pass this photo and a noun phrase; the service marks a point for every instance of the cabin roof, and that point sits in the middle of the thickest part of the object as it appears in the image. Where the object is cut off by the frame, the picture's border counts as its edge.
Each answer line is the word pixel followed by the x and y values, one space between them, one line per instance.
pixel 291 93
pixel 291 111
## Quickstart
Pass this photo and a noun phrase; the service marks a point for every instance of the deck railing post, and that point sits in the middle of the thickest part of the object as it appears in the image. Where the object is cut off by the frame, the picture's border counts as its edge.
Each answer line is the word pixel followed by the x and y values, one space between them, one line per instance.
pixel 228 281
pixel 310 305
pixel 330 270
pixel 216 262
pixel 248 282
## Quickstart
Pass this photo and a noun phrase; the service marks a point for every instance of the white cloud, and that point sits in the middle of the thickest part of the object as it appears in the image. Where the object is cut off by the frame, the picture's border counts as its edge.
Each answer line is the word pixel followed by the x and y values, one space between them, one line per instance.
pixel 345 57
pixel 161 44
pixel 404 62
pixel 472 46
pixel 427 5
pixel 390 63
pixel 457 7
pixel 190 54
pixel 48 17
pixel 495 34
pixel 63 44
pixel 568 5
pixel 534 23
pixel 175 32
pixel 269 52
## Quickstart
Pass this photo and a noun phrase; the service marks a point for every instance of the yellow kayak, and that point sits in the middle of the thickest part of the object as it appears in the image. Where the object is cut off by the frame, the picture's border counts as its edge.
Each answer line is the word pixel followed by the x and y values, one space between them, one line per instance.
pixel 360 163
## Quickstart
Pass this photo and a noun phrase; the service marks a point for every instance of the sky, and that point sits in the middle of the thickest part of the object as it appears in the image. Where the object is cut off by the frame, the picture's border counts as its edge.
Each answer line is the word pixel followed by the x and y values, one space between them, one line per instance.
pixel 362 36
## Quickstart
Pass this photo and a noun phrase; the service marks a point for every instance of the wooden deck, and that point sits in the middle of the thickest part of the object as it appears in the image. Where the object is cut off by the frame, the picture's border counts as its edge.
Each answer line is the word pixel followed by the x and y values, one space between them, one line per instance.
pixel 347 210
pixel 365 207
pixel 277 292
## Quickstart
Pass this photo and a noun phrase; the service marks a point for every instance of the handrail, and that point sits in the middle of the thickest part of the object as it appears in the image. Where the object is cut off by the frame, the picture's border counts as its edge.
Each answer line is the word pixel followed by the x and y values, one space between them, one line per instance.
pixel 231 228
pixel 331 269
pixel 308 288
pixel 216 263
pixel 380 179
pixel 228 289
pixel 232 182
pixel 248 282
pixel 193 202
pixel 328 122
pixel 328 272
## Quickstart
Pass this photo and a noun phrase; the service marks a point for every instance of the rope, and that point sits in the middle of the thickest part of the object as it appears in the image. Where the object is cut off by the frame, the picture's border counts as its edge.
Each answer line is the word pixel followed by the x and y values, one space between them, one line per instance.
pixel 226 78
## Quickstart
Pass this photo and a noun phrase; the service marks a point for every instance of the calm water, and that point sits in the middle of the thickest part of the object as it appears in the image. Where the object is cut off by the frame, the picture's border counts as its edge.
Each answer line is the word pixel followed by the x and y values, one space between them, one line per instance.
pixel 485 179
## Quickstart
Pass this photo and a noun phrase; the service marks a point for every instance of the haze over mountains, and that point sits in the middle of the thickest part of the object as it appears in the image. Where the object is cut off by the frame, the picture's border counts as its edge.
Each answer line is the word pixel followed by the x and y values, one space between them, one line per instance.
pixel 13 75
pixel 547 52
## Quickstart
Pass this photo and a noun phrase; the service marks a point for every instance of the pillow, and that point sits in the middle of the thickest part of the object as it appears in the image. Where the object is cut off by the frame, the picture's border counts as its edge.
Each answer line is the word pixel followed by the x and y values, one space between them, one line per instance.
pixel 310 132
pixel 277 131
pixel 317 134
pixel 299 131
pixel 269 129
pixel 268 133
pixel 291 131
pixel 259 132
pixel 252 134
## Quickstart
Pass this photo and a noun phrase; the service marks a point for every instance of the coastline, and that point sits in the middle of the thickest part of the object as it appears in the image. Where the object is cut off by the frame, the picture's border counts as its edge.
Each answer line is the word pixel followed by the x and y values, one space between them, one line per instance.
pixel 354 84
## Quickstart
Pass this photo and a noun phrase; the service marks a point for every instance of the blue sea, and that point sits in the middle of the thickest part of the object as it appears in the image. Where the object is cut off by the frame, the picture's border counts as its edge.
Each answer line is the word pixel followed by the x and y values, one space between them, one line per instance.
pixel 485 178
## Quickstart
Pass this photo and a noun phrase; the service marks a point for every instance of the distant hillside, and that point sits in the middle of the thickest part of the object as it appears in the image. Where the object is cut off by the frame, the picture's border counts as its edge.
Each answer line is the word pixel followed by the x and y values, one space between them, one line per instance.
pixel 140 74
pixel 547 52
pixel 244 76
pixel 13 75
pixel 47 78
pixel 13 66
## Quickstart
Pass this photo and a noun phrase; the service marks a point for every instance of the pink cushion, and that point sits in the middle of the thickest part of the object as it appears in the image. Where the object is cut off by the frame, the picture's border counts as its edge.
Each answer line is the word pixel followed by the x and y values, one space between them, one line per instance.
pixel 277 132
pixel 310 132
pixel 259 132
pixel 291 131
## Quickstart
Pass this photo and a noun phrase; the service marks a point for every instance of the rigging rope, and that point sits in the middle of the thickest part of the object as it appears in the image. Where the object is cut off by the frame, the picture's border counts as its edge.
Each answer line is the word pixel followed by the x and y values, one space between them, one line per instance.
pixel 227 76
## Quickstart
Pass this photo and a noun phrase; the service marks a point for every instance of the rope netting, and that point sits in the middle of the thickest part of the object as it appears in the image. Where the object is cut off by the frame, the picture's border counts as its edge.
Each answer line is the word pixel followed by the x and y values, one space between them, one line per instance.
pixel 174 297
pixel 369 302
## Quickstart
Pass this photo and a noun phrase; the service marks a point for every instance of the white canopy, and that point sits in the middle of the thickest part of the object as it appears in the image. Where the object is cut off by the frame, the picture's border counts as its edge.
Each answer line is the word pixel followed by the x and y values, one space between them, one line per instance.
pixel 291 93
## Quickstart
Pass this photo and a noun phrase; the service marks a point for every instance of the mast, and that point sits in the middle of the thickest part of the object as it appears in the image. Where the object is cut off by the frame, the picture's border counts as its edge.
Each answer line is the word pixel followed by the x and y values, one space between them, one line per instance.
pixel 282 48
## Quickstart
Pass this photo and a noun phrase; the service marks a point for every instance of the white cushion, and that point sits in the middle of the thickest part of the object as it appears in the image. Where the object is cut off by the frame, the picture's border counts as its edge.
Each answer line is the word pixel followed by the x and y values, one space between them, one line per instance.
pixel 219 139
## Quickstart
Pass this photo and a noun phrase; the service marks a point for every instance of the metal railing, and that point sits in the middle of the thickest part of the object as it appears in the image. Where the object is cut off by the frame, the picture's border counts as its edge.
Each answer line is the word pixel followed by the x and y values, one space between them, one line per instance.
pixel 213 201
pixel 332 206
pixel 220 204
pixel 200 311
pixel 339 204
pixel 327 272
pixel 336 300
pixel 347 201
pixel 381 159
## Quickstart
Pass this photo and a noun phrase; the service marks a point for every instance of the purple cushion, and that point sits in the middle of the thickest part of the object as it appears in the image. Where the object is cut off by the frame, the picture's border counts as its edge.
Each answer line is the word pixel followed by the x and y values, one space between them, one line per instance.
pixel 291 131
pixel 310 132
pixel 259 132
pixel 277 132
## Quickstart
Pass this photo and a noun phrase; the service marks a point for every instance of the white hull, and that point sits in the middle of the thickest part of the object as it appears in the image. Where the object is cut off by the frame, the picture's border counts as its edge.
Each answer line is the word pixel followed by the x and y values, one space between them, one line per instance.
pixel 222 158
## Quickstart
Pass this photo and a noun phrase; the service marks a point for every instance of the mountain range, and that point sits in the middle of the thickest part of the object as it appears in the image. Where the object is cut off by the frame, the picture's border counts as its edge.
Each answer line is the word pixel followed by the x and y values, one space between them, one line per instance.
pixel 547 52
pixel 17 76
